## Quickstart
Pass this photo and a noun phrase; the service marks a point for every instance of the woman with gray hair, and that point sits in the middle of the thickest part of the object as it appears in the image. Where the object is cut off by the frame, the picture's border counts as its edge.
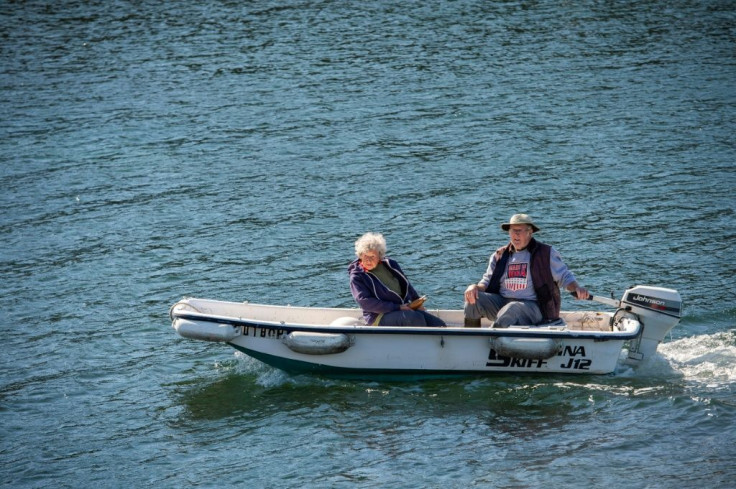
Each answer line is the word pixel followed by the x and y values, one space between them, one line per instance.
pixel 381 289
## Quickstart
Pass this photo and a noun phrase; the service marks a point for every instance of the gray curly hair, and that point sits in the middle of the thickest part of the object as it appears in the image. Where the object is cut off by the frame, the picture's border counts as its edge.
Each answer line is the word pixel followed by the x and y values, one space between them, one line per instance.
pixel 371 242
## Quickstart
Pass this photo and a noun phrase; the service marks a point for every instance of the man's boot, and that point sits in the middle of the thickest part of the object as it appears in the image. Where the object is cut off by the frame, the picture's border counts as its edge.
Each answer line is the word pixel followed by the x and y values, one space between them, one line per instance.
pixel 472 323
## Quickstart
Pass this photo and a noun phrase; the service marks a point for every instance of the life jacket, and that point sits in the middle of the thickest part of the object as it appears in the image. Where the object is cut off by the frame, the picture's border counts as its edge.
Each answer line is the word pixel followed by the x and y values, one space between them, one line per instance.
pixel 545 287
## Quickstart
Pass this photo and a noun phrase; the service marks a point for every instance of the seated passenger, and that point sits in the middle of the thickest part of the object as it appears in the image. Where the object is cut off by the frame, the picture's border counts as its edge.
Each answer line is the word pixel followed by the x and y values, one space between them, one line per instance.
pixel 522 283
pixel 381 289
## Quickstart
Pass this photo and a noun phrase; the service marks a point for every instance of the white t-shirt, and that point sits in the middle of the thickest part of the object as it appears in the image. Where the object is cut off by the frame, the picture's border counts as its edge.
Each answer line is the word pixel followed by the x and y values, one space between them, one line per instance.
pixel 516 282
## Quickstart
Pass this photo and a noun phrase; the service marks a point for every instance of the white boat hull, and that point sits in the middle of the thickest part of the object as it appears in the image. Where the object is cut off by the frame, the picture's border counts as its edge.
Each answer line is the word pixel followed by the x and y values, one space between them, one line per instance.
pixel 426 353
pixel 334 342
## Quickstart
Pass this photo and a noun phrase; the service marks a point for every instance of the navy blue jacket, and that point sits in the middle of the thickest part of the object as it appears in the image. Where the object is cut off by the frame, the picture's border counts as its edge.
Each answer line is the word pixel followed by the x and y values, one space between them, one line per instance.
pixel 373 297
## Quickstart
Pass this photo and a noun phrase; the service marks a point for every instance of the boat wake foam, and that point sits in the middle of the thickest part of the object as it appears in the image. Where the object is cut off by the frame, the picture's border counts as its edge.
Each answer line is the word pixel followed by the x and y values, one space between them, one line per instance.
pixel 709 359
pixel 265 375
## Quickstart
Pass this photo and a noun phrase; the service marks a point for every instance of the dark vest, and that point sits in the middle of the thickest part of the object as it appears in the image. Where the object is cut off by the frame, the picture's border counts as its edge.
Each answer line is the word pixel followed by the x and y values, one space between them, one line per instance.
pixel 548 293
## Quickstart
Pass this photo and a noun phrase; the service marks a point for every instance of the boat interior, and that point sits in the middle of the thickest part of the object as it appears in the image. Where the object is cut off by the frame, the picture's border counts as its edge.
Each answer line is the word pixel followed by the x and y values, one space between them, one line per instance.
pixel 570 320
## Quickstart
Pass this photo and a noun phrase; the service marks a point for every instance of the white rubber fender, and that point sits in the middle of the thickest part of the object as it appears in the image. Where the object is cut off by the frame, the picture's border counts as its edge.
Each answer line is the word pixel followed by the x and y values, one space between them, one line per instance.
pixel 206 331
pixel 317 343
pixel 527 348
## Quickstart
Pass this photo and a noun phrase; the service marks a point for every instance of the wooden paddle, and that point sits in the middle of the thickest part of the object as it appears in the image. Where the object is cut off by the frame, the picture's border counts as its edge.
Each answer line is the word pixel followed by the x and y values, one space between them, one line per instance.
pixel 417 303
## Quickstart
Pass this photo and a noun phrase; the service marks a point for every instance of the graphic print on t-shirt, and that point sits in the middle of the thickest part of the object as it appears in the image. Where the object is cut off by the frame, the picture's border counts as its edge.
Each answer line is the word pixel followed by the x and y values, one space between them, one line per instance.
pixel 516 278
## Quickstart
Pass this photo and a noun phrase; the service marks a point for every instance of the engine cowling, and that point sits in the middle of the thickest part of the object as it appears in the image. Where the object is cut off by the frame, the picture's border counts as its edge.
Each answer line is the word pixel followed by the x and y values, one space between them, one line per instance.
pixel 659 310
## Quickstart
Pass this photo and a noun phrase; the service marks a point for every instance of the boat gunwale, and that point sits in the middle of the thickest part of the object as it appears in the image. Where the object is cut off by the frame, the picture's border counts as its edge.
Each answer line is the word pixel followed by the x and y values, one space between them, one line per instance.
pixel 522 332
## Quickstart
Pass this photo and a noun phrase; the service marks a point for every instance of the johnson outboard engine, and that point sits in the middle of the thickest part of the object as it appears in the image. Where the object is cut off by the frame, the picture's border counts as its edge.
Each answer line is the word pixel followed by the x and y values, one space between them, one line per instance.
pixel 659 310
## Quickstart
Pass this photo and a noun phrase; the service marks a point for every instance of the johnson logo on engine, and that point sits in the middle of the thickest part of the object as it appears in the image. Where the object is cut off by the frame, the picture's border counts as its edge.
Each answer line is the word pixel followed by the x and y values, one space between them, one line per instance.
pixel 654 303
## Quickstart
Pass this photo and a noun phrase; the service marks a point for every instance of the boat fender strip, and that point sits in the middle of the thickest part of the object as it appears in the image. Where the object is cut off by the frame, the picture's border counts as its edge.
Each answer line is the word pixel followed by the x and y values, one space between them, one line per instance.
pixel 526 348
pixel 206 331
pixel 317 343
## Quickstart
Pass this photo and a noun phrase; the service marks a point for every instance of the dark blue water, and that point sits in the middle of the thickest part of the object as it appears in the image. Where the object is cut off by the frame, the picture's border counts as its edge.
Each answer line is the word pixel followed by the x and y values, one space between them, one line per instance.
pixel 235 150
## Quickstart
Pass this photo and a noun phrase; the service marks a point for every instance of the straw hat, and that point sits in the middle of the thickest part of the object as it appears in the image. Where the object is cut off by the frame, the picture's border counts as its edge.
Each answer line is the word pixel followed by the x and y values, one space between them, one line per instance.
pixel 520 219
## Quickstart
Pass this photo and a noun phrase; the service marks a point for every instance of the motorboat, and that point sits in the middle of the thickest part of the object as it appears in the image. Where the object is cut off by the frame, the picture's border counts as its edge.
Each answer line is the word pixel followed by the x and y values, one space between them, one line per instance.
pixel 336 342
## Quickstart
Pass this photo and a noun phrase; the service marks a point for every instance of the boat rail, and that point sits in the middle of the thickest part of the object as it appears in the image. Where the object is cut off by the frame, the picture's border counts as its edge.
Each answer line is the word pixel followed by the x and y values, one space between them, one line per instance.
pixel 515 331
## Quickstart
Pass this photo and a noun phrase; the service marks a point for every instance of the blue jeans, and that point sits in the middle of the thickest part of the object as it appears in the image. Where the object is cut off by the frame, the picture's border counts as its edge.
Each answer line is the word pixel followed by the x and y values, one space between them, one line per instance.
pixel 410 318
pixel 504 312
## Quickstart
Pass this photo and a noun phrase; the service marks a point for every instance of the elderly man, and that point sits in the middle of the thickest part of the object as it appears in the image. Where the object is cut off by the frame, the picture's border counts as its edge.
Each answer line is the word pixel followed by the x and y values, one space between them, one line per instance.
pixel 522 283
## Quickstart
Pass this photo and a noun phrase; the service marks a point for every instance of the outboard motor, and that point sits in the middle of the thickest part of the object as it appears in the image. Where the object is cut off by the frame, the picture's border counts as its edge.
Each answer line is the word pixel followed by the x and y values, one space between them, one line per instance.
pixel 659 310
